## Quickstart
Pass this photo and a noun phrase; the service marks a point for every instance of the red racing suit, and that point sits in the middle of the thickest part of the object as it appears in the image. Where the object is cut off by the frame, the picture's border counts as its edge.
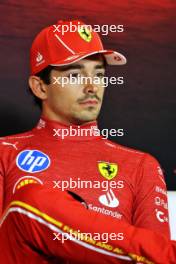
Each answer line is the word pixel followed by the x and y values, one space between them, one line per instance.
pixel 37 215
pixel 113 180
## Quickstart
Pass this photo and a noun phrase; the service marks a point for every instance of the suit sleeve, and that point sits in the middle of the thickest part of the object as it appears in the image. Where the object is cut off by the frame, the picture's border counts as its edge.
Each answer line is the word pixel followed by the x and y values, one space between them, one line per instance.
pixel 151 205
pixel 36 213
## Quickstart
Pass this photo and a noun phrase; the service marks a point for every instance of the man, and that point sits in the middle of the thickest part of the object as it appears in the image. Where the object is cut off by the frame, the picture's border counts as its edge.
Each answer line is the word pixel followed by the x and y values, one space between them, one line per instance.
pixel 119 182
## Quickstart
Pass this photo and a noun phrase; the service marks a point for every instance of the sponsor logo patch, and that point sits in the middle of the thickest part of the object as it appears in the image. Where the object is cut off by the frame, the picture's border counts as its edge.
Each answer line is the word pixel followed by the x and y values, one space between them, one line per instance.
pixel 23 181
pixel 107 170
pixel 85 34
pixel 160 216
pixel 39 57
pixel 109 199
pixel 32 161
pixel 10 144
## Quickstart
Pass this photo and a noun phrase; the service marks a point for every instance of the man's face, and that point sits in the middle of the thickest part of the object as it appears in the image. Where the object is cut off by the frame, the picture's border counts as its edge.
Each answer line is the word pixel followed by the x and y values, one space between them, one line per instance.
pixel 76 103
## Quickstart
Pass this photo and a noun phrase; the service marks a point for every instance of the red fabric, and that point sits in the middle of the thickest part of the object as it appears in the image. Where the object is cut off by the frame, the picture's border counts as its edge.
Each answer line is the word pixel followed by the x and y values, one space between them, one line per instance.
pixel 26 233
pixel 63 43
pixel 140 194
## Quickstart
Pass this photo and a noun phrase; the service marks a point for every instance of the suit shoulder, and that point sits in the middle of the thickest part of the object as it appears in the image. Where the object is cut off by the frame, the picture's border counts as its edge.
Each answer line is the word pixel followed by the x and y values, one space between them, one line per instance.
pixel 16 137
pixel 124 149
pixel 132 155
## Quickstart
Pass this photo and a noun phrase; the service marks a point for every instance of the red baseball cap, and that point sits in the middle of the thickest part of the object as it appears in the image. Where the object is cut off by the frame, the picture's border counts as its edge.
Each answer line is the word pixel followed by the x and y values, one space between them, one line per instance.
pixel 68 42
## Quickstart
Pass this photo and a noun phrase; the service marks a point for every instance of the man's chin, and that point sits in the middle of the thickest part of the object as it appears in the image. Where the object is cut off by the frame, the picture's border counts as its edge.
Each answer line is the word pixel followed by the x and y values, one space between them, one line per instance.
pixel 84 118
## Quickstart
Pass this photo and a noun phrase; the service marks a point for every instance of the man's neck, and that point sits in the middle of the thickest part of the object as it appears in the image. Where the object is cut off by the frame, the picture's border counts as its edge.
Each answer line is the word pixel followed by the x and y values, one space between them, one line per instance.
pixel 63 120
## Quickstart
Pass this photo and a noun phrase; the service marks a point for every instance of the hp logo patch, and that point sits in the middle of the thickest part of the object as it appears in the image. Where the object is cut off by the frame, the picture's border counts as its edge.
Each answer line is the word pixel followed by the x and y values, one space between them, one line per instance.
pixel 32 161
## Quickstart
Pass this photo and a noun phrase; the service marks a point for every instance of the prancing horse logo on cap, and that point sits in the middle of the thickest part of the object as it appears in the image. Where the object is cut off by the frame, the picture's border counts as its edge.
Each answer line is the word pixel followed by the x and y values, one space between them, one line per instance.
pixel 85 34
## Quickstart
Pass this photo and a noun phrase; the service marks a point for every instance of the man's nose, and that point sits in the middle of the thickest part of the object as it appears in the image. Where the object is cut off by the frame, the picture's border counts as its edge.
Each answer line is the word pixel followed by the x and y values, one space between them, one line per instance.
pixel 90 88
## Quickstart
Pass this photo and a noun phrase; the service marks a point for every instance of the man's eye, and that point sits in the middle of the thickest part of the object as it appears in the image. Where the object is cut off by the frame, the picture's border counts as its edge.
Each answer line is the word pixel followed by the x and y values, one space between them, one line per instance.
pixel 100 74
pixel 75 75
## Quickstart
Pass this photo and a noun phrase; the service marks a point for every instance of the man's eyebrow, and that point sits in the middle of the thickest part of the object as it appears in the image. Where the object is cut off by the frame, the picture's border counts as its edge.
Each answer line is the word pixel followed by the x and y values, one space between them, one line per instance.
pixel 78 66
pixel 100 66
pixel 70 67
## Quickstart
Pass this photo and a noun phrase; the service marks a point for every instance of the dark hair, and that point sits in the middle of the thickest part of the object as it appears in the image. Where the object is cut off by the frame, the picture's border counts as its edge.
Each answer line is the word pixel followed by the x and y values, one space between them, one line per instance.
pixel 45 74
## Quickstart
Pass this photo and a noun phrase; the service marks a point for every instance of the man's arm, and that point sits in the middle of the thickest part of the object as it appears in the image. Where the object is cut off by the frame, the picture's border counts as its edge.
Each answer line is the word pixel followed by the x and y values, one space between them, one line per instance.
pixel 37 212
pixel 150 209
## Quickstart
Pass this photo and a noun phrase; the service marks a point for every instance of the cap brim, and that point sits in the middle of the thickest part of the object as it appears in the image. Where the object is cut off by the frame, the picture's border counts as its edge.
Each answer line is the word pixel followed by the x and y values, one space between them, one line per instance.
pixel 111 57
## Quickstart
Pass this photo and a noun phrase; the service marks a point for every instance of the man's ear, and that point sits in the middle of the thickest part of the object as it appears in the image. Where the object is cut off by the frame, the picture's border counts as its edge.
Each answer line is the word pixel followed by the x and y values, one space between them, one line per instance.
pixel 38 87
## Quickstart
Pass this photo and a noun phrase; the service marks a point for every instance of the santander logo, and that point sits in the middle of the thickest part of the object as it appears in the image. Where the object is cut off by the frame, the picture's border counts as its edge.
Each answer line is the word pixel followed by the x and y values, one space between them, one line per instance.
pixel 39 57
pixel 109 199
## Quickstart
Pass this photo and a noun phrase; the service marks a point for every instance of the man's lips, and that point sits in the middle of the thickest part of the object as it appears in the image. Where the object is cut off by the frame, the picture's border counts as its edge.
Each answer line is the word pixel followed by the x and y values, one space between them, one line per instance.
pixel 89 102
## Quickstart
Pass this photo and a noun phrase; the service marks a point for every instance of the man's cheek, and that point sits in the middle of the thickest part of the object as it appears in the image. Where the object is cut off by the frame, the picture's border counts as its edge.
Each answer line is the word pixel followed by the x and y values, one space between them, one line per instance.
pixel 101 93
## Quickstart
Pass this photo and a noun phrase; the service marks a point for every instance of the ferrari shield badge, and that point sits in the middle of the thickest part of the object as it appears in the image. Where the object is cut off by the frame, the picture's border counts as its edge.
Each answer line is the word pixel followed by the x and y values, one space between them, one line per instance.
pixel 107 170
